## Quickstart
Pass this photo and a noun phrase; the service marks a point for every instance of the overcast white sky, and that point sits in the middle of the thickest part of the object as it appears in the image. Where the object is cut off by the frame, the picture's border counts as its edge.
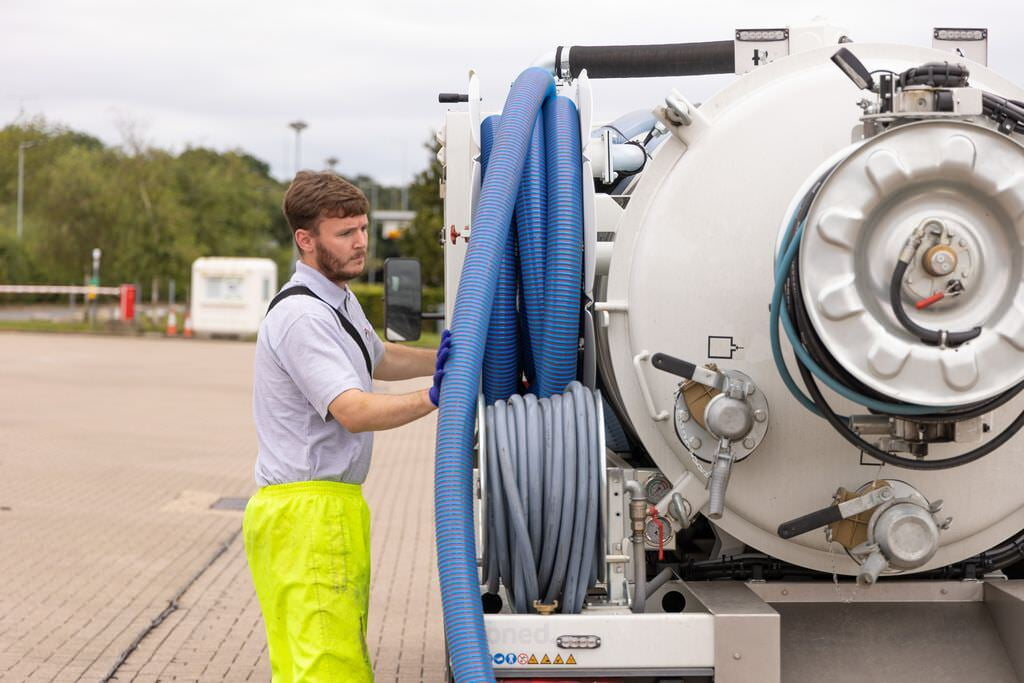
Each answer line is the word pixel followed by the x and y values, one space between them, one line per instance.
pixel 232 73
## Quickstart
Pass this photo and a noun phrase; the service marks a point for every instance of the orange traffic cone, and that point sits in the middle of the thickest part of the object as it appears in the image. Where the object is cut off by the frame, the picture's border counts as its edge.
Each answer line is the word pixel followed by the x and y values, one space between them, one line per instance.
pixel 188 325
pixel 172 324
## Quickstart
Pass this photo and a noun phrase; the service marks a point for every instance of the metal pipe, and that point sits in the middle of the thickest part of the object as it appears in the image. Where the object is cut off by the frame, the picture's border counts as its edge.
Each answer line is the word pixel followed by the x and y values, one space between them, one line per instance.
pixel 663 577
pixel 637 521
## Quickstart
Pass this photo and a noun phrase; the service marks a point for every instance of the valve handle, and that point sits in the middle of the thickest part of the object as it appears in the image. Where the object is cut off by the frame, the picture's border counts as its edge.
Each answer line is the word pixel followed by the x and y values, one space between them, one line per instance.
pixel 834 513
pixel 687 370
pixel 810 522
pixel 675 366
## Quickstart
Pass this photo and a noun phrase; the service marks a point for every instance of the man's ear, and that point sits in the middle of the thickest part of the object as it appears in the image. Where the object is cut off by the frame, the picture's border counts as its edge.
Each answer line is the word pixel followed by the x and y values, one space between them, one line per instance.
pixel 304 240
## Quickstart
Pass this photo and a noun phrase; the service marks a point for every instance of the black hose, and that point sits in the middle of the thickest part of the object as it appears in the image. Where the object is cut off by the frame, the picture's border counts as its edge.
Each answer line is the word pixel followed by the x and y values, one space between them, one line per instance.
pixel 936 75
pixel 930 337
pixel 750 565
pixel 896 460
pixel 816 348
pixel 643 61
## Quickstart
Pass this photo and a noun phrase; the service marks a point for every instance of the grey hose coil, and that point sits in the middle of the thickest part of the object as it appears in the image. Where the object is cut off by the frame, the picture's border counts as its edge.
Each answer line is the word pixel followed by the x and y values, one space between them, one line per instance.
pixel 542 503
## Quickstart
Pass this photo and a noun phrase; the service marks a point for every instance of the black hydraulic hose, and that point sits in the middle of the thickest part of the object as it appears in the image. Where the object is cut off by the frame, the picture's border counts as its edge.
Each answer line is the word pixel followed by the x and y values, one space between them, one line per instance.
pixel 643 61
pixel 931 337
pixel 935 75
pixel 1001 109
pixel 812 342
pixel 815 347
pixel 844 430
pixel 743 566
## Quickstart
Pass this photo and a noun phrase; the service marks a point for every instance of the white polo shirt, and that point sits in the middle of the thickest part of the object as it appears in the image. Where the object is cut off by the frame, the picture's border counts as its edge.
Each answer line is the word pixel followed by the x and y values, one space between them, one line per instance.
pixel 304 360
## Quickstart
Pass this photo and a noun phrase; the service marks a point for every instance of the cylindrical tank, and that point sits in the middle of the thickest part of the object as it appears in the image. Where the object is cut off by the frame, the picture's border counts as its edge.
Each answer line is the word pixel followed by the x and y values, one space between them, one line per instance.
pixel 691 275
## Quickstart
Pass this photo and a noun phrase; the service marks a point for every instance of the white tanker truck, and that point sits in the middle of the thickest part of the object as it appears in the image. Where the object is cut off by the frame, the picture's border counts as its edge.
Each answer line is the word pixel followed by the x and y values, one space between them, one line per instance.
pixel 734 390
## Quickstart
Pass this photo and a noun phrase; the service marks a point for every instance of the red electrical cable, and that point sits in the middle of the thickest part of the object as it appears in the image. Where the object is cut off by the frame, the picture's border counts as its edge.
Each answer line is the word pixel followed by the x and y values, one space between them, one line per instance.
pixel 924 303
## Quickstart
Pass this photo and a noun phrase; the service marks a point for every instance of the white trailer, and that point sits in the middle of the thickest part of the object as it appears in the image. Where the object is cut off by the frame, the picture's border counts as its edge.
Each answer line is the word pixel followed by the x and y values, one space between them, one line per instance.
pixel 230 295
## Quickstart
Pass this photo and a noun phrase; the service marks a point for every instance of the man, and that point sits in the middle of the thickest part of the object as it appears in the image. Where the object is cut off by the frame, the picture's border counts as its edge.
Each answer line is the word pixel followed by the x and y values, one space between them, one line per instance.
pixel 307 530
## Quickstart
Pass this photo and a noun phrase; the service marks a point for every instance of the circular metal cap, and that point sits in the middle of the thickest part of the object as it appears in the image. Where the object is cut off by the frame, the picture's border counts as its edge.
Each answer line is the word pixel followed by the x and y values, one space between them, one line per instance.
pixel 940 260
pixel 965 177
pixel 907 535
pixel 728 418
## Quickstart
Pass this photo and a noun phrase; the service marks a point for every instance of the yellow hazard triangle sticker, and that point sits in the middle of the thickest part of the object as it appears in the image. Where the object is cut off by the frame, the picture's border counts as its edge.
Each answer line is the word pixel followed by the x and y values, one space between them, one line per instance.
pixel 558 659
pixel 533 659
pixel 546 660
pixel 571 660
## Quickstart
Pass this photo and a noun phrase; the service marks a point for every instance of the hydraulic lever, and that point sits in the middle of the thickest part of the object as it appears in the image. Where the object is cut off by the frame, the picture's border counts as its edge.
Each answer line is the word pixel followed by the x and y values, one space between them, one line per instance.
pixel 834 513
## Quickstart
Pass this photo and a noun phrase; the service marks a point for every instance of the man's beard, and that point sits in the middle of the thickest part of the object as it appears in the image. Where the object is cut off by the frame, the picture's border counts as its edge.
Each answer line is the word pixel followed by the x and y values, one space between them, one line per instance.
pixel 333 268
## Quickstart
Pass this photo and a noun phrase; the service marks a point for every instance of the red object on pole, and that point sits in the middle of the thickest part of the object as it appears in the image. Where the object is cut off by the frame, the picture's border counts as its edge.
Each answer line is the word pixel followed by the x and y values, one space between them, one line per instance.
pixel 127 303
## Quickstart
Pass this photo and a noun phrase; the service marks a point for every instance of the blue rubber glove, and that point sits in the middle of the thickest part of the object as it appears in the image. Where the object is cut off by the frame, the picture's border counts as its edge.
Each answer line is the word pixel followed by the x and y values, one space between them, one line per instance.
pixel 443 351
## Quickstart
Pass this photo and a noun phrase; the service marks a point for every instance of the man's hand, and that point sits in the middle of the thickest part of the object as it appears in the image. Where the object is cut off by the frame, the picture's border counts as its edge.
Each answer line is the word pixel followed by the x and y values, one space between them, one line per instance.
pixel 443 351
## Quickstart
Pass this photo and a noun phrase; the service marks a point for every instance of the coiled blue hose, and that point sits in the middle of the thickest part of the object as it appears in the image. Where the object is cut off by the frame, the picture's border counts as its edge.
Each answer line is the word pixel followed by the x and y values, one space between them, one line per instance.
pixel 453 483
pixel 559 340
pixel 501 354
pixel 531 224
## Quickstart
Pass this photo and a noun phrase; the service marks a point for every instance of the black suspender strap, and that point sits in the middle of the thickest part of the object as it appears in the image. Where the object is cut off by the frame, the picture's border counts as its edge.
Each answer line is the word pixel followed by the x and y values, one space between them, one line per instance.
pixel 348 327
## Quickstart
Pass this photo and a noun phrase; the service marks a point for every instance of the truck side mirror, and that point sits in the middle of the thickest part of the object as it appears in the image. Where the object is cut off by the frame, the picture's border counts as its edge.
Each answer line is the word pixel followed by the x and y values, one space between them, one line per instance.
pixel 403 299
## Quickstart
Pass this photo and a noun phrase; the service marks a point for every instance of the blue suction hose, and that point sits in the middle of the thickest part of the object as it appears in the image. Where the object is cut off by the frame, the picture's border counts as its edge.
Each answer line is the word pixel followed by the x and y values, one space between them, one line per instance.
pixel 453 483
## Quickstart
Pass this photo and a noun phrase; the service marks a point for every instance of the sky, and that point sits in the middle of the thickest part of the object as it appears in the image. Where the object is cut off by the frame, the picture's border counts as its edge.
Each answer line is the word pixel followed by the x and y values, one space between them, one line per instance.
pixel 364 76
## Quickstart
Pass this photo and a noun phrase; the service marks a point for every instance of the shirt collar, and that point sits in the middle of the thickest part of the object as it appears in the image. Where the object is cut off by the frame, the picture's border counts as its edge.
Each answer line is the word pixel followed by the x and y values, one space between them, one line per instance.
pixel 325 289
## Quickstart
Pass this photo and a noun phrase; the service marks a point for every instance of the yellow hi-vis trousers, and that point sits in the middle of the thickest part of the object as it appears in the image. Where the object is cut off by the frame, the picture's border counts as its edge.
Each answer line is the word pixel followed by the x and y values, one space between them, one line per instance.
pixel 308 546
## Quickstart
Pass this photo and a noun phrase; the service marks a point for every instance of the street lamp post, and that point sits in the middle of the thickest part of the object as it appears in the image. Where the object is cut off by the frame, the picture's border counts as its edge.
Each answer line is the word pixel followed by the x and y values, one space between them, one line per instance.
pixel 21 185
pixel 298 127
pixel 332 162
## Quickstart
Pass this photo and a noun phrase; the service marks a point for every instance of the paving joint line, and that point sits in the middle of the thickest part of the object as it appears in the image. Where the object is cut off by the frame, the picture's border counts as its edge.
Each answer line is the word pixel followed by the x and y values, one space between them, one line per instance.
pixel 172 606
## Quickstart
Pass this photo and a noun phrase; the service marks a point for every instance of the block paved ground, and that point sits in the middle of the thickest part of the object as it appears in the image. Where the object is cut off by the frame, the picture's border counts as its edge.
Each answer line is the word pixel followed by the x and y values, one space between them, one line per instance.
pixel 111 452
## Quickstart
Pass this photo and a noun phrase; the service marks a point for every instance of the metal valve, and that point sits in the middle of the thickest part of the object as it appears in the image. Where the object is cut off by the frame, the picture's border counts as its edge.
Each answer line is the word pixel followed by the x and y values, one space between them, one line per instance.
pixel 729 417
pixel 902 527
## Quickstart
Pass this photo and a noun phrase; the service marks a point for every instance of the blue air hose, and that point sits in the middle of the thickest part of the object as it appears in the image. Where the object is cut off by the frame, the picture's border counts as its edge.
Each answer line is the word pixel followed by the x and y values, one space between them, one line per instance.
pixel 453 483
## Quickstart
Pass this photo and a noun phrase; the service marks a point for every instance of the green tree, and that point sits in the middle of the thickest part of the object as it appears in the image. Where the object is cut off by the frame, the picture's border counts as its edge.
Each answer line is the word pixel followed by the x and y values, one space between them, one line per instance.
pixel 153 212
pixel 422 239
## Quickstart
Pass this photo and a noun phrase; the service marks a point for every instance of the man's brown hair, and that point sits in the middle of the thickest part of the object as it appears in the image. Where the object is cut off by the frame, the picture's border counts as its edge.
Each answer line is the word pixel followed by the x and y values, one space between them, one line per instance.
pixel 314 196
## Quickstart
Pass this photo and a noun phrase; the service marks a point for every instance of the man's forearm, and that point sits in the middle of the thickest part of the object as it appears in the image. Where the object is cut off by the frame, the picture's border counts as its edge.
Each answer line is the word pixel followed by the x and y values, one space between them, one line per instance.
pixel 405 362
pixel 361 411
